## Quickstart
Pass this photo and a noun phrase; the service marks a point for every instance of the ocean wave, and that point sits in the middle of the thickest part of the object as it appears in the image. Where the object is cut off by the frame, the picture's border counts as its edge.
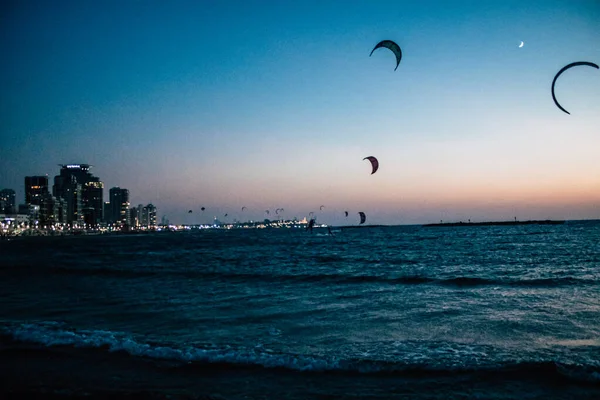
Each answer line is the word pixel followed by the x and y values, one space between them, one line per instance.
pixel 535 282
pixel 335 278
pixel 50 334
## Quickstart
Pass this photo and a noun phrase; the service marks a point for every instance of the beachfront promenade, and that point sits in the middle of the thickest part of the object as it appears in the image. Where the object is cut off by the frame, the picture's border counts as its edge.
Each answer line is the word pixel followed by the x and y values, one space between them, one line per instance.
pixel 13 230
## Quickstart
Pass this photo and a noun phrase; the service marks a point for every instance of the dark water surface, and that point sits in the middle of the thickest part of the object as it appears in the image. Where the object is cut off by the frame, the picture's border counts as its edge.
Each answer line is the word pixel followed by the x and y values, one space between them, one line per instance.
pixel 407 312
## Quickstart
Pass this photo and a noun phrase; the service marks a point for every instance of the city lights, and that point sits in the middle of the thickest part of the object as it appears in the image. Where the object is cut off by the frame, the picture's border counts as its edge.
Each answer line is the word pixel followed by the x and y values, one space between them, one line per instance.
pixel 74 205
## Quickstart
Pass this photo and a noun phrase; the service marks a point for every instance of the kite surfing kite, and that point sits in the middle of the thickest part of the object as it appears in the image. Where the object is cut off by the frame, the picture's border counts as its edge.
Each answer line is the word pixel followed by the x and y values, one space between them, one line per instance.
pixel 322 207
pixel 267 211
pixel 203 208
pixel 346 213
pixel 190 211
pixel 363 217
pixel 575 64
pixel 374 163
pixel 388 44
pixel 243 208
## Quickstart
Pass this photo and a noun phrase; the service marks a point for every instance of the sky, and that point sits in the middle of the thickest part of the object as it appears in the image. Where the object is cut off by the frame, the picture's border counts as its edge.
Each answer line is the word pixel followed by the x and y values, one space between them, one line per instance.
pixel 274 104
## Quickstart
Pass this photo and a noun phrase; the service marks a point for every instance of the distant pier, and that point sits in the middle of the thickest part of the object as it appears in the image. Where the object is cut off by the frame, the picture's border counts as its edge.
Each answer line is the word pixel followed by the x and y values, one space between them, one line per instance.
pixel 544 222
pixel 359 226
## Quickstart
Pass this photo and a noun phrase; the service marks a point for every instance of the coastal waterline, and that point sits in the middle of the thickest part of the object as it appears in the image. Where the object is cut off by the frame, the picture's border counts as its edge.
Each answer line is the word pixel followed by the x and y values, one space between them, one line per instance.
pixel 425 304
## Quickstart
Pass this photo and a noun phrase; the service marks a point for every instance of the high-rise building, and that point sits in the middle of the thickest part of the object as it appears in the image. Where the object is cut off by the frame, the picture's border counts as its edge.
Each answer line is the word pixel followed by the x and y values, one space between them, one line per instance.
pixel 151 215
pixel 67 188
pixel 32 211
pixel 133 217
pixel 8 201
pixel 91 191
pixel 107 216
pixel 36 187
pixel 144 221
pixel 61 210
pixel 93 204
pixel 148 216
pixel 49 210
pixel 140 215
pixel 119 206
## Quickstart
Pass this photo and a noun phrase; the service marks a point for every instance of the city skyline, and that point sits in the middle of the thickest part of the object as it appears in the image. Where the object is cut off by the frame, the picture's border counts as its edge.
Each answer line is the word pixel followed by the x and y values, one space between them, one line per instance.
pixel 231 104
pixel 76 200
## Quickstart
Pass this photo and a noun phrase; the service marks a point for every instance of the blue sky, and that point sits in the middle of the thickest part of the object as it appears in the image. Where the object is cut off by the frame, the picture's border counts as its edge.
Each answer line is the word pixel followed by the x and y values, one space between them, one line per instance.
pixel 269 104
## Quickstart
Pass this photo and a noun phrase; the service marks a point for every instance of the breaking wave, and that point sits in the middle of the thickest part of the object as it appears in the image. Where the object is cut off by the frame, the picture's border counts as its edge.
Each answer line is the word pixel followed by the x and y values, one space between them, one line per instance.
pixel 50 334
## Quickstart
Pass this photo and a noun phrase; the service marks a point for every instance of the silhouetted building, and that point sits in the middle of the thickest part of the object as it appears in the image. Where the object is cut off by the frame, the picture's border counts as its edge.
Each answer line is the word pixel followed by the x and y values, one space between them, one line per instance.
pixel 61 210
pixel 140 216
pixel 93 204
pixel 8 202
pixel 164 220
pixel 119 206
pixel 49 213
pixel 66 188
pixel 148 216
pixel 41 205
pixel 91 192
pixel 32 211
pixel 134 219
pixel 151 215
pixel 107 215
pixel 36 187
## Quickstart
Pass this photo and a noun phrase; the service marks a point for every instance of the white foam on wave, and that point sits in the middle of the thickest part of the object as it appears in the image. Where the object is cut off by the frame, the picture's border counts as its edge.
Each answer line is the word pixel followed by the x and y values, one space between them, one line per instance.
pixel 576 342
pixel 51 334
pixel 57 334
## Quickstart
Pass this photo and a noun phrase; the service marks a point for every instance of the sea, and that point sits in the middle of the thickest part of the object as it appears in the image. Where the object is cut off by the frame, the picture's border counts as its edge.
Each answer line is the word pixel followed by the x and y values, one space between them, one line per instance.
pixel 388 312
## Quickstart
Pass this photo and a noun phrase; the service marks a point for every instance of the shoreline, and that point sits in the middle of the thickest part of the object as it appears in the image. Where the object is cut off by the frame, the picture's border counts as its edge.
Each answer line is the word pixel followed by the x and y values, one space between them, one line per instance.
pixel 11 237
pixel 66 372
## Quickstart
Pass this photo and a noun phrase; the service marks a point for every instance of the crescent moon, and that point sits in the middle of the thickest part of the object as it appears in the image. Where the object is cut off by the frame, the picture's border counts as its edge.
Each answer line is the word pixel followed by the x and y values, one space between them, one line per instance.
pixel 566 67
pixel 522 43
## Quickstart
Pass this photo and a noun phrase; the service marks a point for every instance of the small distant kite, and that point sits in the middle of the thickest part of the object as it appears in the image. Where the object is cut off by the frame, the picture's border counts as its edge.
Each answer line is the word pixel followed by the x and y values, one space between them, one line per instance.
pixel 322 207
pixel 388 44
pixel 267 211
pixel 346 213
pixel 225 215
pixel 374 163
pixel 190 211
pixel 363 217
pixel 203 208
pixel 522 44
pixel 575 64
pixel 243 208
